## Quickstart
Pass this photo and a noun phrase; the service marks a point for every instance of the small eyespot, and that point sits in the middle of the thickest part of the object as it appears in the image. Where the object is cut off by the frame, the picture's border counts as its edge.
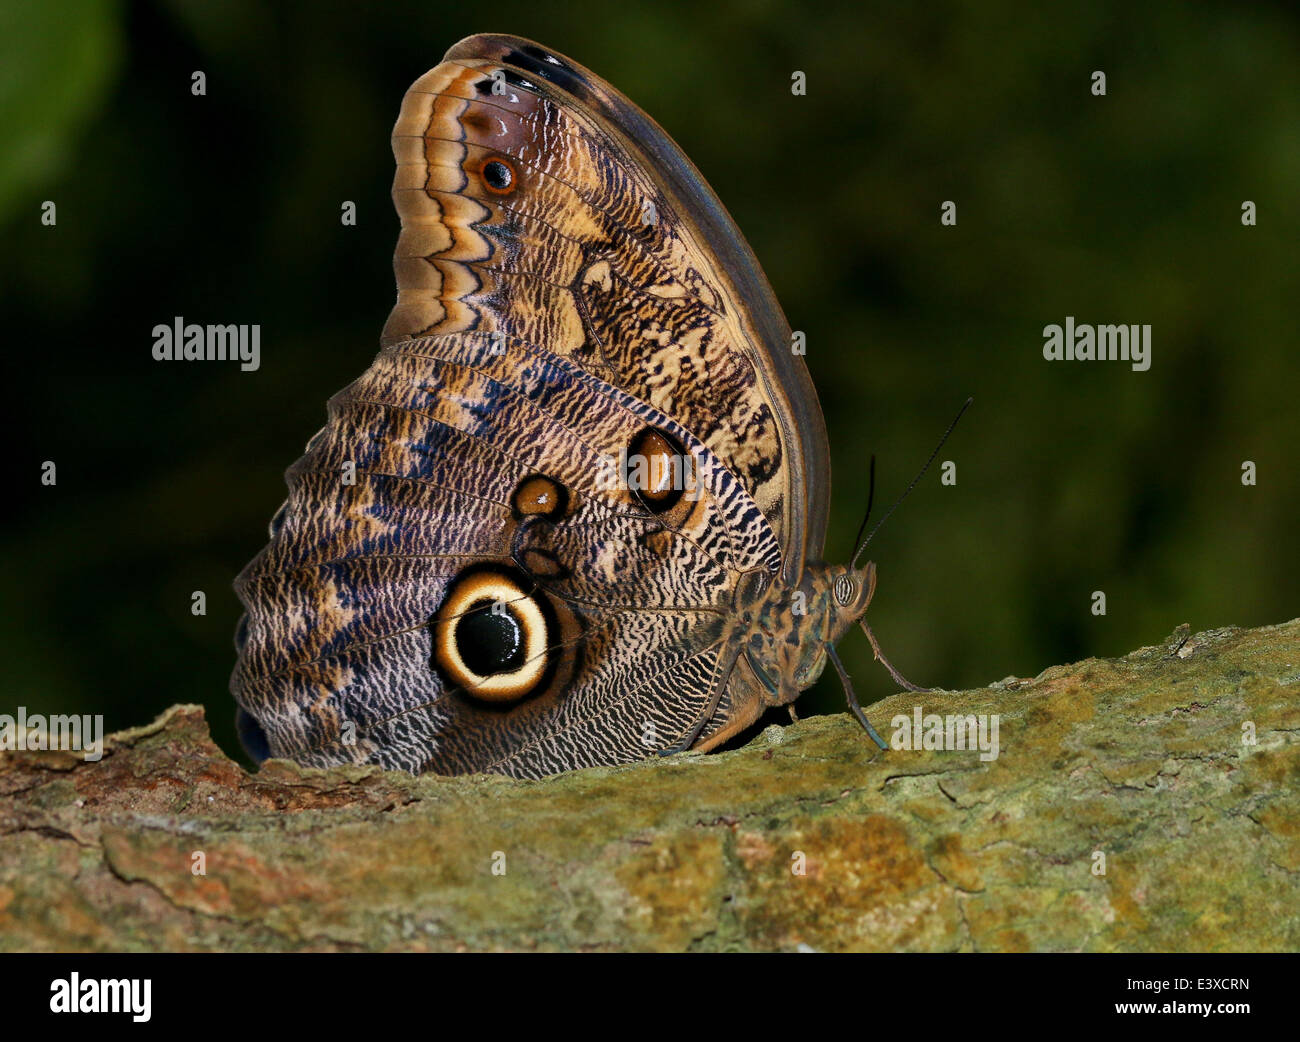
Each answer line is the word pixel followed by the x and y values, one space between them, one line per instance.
pixel 498 176
pixel 844 587
pixel 538 495
pixel 657 469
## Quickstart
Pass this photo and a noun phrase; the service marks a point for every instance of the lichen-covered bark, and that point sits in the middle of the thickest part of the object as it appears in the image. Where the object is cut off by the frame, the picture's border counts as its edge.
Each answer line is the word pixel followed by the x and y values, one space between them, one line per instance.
pixel 1140 759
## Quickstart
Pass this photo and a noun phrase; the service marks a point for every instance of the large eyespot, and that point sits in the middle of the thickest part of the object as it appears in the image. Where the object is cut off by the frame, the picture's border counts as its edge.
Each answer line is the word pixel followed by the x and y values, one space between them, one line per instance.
pixel 492 634
pixel 844 588
pixel 658 470
pixel 499 176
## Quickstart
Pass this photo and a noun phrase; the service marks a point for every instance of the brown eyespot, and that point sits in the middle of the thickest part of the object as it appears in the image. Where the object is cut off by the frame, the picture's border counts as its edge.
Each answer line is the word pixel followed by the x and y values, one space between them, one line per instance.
pixel 498 176
pixel 657 469
pixel 491 636
pixel 539 495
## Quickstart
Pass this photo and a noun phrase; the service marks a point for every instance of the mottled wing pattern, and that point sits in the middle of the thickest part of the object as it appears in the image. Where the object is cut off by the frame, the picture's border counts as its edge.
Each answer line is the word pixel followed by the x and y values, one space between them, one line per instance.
pixel 608 248
pixel 542 322
pixel 440 431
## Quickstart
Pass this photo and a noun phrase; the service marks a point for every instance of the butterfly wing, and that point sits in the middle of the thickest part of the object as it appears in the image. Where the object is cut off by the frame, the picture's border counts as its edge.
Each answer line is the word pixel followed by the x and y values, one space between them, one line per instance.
pixel 673 309
pixel 566 283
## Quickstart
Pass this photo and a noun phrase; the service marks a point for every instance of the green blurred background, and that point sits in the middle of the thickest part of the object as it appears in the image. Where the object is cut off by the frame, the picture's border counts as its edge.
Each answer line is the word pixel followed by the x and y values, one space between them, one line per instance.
pixel 1072 477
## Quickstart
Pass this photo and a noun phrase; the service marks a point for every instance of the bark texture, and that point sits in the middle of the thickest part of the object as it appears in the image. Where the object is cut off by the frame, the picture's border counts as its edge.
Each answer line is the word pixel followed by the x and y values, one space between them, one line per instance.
pixel 806 838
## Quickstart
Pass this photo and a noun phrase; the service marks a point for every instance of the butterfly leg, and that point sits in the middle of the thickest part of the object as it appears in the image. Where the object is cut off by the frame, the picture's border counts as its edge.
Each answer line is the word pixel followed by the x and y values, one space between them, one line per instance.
pixel 711 706
pixel 899 679
pixel 852 697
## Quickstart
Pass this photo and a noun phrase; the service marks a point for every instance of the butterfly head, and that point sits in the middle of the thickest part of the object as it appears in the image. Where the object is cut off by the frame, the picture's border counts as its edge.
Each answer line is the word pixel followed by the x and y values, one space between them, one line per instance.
pixel 851 591
pixel 836 597
pixel 788 629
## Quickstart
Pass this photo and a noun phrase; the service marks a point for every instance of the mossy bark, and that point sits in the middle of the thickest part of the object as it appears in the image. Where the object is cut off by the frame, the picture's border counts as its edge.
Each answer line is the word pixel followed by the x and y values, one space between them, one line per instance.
pixel 807 837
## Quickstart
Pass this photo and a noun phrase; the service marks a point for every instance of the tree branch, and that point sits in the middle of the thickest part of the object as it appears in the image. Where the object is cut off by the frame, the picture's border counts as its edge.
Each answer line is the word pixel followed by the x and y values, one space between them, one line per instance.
pixel 1140 759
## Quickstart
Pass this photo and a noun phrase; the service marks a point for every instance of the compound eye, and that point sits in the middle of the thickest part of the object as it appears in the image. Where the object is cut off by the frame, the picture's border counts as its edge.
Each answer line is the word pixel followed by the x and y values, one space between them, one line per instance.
pixel 844 587
pixel 491 637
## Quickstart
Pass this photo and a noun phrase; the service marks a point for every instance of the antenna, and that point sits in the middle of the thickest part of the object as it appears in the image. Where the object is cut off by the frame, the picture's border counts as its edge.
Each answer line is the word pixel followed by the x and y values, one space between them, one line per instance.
pixel 965 405
pixel 871 495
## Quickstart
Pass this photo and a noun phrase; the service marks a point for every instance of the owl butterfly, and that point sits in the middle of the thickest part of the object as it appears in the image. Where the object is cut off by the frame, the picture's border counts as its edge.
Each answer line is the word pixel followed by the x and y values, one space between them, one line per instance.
pixel 573 513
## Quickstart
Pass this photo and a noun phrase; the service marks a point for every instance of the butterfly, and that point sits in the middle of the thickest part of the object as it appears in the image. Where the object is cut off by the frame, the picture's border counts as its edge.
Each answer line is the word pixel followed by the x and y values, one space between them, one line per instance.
pixel 574 512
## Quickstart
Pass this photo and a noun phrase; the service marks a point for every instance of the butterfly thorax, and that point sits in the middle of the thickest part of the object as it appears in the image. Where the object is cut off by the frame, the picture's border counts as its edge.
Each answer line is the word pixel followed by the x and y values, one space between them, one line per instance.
pixel 784 629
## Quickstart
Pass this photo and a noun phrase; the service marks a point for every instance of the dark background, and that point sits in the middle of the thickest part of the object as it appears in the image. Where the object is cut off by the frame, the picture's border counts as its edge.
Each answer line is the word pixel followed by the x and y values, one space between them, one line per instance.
pixel 1072 477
